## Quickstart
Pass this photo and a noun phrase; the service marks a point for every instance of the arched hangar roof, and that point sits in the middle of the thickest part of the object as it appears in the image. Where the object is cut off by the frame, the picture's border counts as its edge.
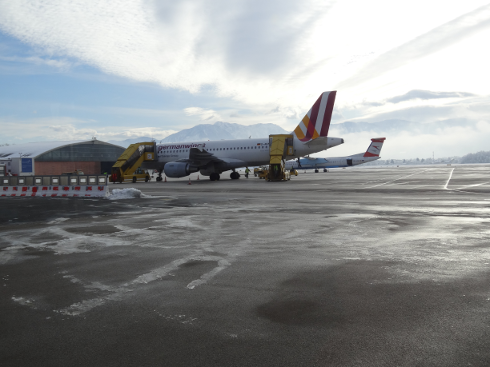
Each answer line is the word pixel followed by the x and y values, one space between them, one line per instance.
pixel 64 151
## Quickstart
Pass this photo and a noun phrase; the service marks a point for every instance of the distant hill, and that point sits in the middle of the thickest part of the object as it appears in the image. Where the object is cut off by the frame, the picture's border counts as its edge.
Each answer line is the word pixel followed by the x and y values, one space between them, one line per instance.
pixel 224 131
pixel 479 157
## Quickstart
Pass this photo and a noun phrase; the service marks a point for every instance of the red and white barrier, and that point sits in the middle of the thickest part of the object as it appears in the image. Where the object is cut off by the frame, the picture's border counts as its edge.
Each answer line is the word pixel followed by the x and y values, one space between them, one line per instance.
pixel 55 191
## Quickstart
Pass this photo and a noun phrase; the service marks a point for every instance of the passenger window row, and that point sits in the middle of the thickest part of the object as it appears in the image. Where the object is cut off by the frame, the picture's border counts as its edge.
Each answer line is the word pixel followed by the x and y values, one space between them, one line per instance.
pixel 240 148
pixel 215 149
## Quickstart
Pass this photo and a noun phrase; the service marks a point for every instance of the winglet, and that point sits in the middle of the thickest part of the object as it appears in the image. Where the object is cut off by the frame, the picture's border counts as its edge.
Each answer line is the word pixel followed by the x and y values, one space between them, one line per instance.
pixel 375 147
pixel 317 121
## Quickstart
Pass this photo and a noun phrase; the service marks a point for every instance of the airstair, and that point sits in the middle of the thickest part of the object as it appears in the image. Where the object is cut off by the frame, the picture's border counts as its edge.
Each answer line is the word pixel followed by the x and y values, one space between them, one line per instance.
pixel 280 146
pixel 131 159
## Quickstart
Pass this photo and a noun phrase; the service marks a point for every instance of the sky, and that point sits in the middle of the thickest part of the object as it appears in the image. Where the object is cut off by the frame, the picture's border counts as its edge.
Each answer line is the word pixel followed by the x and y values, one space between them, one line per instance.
pixel 72 70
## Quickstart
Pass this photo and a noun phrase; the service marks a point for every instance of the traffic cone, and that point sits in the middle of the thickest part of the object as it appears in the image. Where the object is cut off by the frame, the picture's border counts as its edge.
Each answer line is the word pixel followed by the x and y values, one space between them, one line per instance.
pixel 165 179
pixel 189 181
pixel 198 177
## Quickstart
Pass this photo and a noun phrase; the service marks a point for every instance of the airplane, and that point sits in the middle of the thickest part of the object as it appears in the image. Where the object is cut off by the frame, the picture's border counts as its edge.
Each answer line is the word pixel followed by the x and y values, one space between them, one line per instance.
pixel 371 154
pixel 212 158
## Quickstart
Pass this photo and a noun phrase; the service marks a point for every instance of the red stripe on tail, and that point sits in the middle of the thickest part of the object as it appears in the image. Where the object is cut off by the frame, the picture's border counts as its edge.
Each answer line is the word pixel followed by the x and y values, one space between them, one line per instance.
pixel 328 113
pixel 313 118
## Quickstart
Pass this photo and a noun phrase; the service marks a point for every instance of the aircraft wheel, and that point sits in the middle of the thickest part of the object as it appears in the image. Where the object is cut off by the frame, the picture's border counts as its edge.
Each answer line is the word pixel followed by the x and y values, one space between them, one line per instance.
pixel 325 170
pixel 217 177
pixel 316 171
pixel 234 175
pixel 214 177
pixel 159 178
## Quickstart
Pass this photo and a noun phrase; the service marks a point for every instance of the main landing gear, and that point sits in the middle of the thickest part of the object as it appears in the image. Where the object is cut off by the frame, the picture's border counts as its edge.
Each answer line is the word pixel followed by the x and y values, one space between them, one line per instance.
pixel 234 175
pixel 214 176
pixel 159 177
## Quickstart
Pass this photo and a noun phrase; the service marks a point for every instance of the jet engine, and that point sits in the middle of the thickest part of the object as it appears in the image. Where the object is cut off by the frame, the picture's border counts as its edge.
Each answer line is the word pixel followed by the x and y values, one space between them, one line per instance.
pixel 178 169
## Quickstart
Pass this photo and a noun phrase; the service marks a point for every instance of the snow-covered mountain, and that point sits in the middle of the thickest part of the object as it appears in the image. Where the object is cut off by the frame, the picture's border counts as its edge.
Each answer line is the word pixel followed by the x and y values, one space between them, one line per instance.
pixel 224 131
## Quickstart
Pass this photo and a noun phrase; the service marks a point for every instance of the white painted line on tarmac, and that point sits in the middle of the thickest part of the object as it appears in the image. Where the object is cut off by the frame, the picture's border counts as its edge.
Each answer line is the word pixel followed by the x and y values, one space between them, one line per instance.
pixel 389 182
pixel 449 179
pixel 464 187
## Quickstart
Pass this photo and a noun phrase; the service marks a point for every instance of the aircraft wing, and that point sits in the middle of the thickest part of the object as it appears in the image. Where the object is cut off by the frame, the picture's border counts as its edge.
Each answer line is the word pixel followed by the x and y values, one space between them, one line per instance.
pixel 200 157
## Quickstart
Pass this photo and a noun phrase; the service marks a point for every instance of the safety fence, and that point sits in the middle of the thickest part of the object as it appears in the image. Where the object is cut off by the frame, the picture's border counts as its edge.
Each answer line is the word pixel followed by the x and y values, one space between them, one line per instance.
pixel 54 186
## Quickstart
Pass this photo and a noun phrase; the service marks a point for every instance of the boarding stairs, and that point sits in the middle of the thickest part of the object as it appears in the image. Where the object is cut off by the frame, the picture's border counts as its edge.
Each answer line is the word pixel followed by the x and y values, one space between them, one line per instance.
pixel 131 160
pixel 280 147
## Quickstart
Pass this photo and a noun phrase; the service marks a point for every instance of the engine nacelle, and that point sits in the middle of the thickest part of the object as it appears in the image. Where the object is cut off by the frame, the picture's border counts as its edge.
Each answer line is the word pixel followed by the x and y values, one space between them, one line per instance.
pixel 178 169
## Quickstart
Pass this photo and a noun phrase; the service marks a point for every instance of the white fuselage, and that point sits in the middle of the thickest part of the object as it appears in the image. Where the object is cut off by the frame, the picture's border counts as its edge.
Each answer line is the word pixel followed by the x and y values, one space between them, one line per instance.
pixel 334 162
pixel 238 153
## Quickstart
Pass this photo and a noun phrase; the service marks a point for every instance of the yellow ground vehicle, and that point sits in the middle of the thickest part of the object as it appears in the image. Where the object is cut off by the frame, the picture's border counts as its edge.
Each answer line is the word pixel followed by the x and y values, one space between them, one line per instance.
pixel 280 146
pixel 138 175
pixel 260 172
pixel 128 164
pixel 278 174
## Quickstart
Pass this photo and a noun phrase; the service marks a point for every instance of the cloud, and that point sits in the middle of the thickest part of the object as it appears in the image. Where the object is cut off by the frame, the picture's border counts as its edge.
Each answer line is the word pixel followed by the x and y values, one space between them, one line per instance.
pixel 67 128
pixel 36 60
pixel 445 141
pixel 422 46
pixel 243 49
pixel 419 106
pixel 204 115
pixel 264 55
pixel 426 94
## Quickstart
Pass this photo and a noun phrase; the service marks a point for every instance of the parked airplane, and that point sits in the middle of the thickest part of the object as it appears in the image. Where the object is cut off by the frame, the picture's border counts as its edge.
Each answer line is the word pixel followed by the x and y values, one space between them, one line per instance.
pixel 371 154
pixel 211 158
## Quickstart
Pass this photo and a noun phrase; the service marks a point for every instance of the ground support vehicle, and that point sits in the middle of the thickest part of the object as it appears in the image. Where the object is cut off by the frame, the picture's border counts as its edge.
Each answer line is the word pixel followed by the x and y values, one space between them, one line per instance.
pixel 281 146
pixel 128 164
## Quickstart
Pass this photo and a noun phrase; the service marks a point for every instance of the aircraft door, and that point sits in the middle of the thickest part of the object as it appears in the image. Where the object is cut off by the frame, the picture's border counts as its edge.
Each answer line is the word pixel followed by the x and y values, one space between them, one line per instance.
pixel 349 162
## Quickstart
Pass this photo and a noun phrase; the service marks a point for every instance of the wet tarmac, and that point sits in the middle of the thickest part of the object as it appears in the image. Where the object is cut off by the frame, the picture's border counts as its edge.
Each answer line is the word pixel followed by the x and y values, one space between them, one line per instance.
pixel 354 267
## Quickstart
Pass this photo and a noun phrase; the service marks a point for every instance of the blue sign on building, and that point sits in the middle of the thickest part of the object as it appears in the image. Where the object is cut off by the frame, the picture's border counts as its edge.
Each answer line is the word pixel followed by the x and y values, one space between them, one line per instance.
pixel 26 164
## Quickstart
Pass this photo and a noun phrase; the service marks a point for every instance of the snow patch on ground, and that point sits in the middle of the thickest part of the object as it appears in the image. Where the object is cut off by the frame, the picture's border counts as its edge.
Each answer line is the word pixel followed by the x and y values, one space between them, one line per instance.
pixel 129 193
pixel 58 220
pixel 24 301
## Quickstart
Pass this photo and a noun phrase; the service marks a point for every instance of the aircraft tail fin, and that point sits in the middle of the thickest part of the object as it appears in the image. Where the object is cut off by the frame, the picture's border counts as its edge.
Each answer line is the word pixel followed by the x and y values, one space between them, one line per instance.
pixel 375 147
pixel 317 121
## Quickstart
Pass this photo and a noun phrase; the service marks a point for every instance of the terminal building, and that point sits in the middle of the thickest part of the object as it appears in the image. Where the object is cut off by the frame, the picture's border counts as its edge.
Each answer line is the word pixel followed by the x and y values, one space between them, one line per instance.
pixel 92 157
